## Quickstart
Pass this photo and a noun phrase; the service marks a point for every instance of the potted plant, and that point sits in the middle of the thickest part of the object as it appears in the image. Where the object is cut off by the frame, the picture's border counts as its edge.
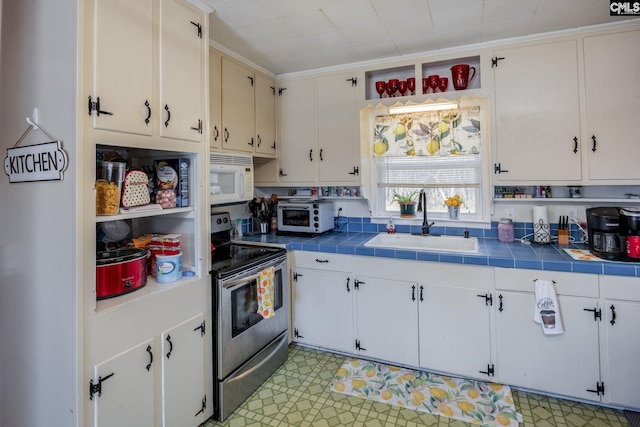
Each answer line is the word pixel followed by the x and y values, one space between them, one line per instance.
pixel 453 204
pixel 407 203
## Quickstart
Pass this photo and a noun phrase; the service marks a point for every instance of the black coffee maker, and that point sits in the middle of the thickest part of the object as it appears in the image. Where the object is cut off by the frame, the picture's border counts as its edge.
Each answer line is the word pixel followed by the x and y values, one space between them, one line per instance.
pixel 606 236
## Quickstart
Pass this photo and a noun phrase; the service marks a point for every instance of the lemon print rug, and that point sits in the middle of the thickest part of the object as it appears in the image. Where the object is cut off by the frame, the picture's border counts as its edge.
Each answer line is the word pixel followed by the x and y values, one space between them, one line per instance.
pixel 476 402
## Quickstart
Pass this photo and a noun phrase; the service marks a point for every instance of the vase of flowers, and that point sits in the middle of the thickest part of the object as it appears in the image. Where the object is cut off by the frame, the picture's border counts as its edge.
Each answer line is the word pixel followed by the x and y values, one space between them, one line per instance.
pixel 453 204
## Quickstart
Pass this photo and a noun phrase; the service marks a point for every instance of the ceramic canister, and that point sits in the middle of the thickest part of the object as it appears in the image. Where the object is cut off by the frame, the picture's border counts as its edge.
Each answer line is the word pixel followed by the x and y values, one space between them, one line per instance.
pixel 168 268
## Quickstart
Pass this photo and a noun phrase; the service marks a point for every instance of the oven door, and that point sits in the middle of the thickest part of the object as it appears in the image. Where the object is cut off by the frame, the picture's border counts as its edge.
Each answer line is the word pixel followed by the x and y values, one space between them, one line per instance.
pixel 242 332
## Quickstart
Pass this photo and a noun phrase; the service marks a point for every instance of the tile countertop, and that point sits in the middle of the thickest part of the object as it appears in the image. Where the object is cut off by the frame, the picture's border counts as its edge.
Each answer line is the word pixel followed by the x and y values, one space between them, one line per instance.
pixel 491 252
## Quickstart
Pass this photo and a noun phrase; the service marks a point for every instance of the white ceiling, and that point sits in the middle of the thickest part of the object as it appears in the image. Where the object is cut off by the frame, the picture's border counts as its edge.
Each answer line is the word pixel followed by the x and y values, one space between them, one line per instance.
pixel 285 36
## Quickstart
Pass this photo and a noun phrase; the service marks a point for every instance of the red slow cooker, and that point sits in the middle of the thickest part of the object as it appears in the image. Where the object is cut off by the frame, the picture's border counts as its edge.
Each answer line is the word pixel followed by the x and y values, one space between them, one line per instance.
pixel 120 271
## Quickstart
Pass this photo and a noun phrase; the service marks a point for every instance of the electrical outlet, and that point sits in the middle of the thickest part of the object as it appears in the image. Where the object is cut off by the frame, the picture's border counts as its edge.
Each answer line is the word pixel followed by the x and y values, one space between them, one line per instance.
pixel 572 213
pixel 508 213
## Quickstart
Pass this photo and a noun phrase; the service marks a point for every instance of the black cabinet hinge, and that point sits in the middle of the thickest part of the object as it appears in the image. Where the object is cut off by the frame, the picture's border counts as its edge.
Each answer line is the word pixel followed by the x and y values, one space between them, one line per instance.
pixel 198 128
pixel 95 106
pixel 296 275
pixel 494 61
pixel 282 89
pixel 356 171
pixel 597 313
pixel 296 334
pixel 359 347
pixel 202 328
pixel 599 389
pixel 354 81
pixel 97 387
pixel 497 168
pixel 488 299
pixel 199 27
pixel 356 284
pixel 490 370
pixel 203 407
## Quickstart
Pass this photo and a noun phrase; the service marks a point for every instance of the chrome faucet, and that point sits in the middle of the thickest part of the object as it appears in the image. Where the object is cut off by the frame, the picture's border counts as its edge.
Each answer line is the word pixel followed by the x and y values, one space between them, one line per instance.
pixel 422 205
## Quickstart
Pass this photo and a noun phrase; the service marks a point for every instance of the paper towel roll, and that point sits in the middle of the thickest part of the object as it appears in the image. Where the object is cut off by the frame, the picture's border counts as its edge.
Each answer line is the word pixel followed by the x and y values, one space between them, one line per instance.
pixel 540 225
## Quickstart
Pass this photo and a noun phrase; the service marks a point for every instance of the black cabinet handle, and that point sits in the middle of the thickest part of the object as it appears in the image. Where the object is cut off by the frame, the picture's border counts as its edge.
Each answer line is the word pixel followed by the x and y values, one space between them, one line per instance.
pixel 613 315
pixel 150 357
pixel 170 346
pixel 322 261
pixel 321 155
pixel 500 309
pixel 575 144
pixel 216 133
pixel 311 155
pixel 259 140
pixel 421 290
pixel 166 108
pixel 593 137
pixel 146 104
pixel 413 293
pixel 348 279
pixel 226 135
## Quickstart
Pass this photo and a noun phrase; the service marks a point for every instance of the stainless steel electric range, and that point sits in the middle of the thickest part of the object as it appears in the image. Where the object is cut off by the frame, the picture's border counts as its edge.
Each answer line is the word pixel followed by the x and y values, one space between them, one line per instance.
pixel 247 348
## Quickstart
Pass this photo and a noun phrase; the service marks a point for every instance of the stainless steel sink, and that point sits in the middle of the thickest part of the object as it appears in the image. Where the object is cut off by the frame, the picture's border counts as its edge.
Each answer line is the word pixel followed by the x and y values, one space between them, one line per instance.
pixel 454 244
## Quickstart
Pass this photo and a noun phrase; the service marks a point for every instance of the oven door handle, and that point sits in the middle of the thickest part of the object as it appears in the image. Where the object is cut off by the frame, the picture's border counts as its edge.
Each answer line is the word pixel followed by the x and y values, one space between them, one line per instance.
pixel 244 279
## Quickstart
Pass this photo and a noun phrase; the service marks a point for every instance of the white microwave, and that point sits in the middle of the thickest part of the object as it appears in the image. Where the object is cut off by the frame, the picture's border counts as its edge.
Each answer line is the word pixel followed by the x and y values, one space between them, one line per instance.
pixel 230 178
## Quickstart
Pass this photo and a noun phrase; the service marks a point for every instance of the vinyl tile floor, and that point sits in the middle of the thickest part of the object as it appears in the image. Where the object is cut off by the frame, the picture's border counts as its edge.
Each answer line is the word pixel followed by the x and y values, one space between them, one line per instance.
pixel 298 395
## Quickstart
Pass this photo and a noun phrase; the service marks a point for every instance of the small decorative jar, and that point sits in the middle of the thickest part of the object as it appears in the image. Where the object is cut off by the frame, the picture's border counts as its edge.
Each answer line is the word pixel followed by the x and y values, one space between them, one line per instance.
pixel 505 230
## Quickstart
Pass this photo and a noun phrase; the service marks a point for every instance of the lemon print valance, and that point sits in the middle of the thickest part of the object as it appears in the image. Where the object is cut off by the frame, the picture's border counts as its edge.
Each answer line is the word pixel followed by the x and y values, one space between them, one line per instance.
pixel 431 133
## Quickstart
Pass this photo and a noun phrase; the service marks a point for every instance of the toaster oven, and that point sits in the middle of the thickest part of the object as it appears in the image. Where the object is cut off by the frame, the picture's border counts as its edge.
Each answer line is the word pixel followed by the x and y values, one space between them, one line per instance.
pixel 305 217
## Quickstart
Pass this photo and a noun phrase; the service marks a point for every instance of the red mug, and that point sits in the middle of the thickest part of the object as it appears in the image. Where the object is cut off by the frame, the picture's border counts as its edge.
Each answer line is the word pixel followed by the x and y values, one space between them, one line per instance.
pixel 633 246
pixel 460 75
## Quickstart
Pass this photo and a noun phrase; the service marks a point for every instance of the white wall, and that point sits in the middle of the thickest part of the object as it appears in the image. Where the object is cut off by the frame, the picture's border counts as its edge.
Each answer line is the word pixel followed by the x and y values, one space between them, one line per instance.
pixel 38 321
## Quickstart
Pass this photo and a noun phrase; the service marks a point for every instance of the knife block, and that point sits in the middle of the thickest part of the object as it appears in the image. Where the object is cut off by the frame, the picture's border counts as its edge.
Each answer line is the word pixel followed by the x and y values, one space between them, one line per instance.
pixel 563 237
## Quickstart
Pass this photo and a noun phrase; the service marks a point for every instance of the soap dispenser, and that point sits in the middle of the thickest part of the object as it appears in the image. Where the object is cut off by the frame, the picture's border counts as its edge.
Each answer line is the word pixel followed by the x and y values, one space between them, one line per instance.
pixel 390 227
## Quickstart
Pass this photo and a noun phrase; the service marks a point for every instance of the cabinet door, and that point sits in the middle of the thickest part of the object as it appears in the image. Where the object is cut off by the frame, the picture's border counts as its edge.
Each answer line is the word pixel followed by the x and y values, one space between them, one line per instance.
pixel 215 98
pixel 122 65
pixel 565 364
pixel 387 320
pixel 621 374
pixel 238 119
pixel 265 91
pixel 323 309
pixel 298 161
pixel 538 114
pixel 338 142
pixel 127 390
pixel 455 331
pixel 611 66
pixel 183 377
pixel 181 103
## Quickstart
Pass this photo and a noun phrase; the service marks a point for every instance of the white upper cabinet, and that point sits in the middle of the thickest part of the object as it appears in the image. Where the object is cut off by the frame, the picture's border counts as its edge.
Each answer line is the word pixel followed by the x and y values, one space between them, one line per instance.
pixel 181 100
pixel 612 64
pixel 537 100
pixel 238 109
pixel 215 99
pixel 265 104
pixel 147 70
pixel 122 87
pixel 297 131
pixel 319 130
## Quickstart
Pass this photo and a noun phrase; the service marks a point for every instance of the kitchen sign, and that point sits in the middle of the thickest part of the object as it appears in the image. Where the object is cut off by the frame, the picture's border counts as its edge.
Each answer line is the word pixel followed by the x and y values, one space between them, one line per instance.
pixel 38 162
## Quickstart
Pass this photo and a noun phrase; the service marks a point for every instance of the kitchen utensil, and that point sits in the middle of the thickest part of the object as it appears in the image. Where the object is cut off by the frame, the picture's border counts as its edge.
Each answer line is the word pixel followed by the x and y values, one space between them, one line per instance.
pixel 461 77
pixel 120 271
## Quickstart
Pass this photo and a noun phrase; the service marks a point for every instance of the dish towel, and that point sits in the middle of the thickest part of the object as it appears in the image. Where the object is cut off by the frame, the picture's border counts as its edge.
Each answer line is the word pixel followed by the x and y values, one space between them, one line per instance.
pixel 265 293
pixel 547 310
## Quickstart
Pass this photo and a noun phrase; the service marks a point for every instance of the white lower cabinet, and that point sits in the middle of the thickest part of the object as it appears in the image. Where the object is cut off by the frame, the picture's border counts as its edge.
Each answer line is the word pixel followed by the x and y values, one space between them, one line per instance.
pixel 183 382
pixel 386 319
pixel 621 347
pixel 475 322
pixel 322 301
pixel 455 330
pixel 122 390
pixel 124 386
pixel 567 363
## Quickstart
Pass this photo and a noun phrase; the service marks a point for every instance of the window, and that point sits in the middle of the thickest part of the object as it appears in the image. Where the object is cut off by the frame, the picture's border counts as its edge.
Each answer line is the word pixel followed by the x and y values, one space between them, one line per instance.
pixel 440 152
